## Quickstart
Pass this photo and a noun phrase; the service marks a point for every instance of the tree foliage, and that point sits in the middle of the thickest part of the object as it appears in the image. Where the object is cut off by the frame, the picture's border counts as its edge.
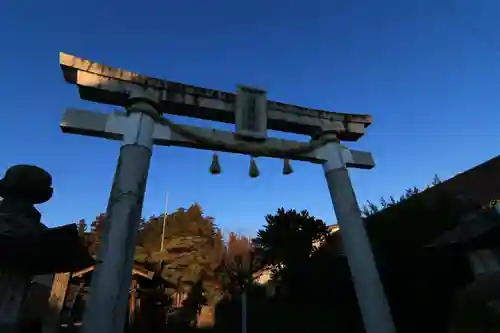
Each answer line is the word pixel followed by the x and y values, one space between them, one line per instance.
pixel 91 238
pixel 239 253
pixel 288 237
pixel 239 263
pixel 371 208
pixel 308 297
pixel 192 248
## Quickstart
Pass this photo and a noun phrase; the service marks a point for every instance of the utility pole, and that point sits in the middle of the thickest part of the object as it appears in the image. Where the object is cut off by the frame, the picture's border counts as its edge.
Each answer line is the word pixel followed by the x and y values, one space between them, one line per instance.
pixel 165 214
pixel 143 126
pixel 244 311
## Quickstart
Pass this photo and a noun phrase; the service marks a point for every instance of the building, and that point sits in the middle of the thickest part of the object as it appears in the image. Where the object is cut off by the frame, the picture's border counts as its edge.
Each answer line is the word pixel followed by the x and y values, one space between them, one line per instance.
pixel 480 183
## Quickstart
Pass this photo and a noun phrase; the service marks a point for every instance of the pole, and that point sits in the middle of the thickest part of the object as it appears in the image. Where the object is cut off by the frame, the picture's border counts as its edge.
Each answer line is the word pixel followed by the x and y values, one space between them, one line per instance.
pixel 370 293
pixel 165 213
pixel 243 312
pixel 106 308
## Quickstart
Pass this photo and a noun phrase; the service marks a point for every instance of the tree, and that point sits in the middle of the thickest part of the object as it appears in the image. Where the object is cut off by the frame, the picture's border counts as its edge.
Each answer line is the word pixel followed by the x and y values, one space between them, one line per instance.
pixel 193 248
pixel 436 180
pixel 288 237
pixel 96 227
pixel 92 238
pixel 285 244
pixel 239 263
pixel 288 243
pixel 82 227
pixel 371 208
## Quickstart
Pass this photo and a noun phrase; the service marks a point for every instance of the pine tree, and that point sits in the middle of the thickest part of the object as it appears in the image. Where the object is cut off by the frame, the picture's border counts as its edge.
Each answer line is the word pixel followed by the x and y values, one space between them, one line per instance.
pixel 436 180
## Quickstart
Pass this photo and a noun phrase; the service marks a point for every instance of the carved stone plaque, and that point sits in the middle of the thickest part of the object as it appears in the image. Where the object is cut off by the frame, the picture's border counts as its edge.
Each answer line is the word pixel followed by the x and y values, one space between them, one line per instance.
pixel 251 113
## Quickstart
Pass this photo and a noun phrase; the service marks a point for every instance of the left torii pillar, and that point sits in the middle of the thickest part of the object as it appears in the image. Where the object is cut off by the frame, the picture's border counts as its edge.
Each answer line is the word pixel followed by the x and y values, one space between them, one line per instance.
pixel 106 310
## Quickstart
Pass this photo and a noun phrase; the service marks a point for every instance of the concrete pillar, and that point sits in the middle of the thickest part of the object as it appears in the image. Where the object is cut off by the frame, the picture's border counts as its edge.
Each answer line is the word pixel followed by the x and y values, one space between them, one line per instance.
pixel 369 290
pixel 106 310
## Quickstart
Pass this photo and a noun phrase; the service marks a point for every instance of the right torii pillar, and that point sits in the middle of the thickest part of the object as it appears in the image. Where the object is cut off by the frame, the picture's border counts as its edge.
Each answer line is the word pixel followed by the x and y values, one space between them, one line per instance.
pixel 370 293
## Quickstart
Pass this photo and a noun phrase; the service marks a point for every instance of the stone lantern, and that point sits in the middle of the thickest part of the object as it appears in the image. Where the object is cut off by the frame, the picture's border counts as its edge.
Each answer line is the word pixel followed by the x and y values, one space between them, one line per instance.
pixel 28 247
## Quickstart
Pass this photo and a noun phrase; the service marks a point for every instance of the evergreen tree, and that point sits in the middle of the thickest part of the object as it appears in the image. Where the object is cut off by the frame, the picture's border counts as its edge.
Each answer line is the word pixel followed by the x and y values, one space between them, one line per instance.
pixel 436 180
pixel 288 238
pixel 192 248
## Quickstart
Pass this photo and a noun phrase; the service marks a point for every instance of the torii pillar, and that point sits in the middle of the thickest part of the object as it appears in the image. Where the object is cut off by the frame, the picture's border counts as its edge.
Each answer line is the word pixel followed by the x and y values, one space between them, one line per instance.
pixel 370 293
pixel 106 309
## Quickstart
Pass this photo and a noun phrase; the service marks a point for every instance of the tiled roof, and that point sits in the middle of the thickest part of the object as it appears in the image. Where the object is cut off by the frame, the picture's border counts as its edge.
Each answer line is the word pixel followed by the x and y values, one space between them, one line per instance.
pixel 481 183
pixel 471 227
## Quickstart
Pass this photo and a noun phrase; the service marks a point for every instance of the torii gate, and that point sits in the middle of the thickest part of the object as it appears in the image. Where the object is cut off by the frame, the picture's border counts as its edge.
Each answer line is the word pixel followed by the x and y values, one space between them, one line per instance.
pixel 142 126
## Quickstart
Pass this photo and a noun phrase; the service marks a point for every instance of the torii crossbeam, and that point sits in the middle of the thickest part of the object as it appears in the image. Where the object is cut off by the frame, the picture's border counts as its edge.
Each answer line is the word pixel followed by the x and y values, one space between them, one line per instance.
pixel 143 126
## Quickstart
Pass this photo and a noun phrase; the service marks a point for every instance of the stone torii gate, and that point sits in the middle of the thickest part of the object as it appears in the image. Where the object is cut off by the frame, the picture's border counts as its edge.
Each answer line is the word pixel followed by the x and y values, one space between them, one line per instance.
pixel 146 99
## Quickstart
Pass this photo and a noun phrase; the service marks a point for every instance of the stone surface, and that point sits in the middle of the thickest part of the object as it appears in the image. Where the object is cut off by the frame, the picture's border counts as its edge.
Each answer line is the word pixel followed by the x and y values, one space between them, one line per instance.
pixel 98 82
pixel 26 183
pixel 108 297
pixel 21 188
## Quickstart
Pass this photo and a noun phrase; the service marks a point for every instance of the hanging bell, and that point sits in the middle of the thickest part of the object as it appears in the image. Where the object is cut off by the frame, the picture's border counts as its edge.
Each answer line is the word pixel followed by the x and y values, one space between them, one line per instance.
pixel 254 171
pixel 215 166
pixel 287 167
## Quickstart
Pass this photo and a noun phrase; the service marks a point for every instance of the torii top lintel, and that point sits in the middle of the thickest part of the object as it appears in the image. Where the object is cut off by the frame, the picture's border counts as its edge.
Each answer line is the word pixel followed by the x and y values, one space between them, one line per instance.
pixel 103 84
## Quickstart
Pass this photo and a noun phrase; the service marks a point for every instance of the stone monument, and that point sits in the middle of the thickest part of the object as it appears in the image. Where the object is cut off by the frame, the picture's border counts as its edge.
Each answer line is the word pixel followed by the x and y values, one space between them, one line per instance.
pixel 28 247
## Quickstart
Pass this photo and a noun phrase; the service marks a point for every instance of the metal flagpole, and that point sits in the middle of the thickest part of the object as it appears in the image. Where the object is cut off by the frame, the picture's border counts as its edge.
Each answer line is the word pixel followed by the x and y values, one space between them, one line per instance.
pixel 165 213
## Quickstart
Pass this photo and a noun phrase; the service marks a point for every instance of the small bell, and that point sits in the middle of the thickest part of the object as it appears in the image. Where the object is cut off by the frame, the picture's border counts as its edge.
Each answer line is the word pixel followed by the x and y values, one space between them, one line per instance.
pixel 215 166
pixel 254 171
pixel 287 167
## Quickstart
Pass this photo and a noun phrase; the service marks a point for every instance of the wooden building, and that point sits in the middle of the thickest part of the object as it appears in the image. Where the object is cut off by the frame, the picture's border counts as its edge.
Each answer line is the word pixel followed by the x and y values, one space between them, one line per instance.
pixel 70 290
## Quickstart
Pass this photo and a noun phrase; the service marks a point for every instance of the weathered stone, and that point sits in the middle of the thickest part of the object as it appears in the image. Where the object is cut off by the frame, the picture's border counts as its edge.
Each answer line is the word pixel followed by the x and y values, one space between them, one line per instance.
pixel 26 183
pixel 21 188
pixel 27 247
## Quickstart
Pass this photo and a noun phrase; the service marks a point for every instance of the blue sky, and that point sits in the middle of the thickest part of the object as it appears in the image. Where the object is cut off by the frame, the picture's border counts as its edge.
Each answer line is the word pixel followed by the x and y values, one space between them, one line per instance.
pixel 427 71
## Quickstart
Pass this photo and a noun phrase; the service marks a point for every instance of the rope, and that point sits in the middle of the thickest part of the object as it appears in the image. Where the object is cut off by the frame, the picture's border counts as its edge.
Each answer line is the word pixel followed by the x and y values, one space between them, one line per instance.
pixel 204 140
